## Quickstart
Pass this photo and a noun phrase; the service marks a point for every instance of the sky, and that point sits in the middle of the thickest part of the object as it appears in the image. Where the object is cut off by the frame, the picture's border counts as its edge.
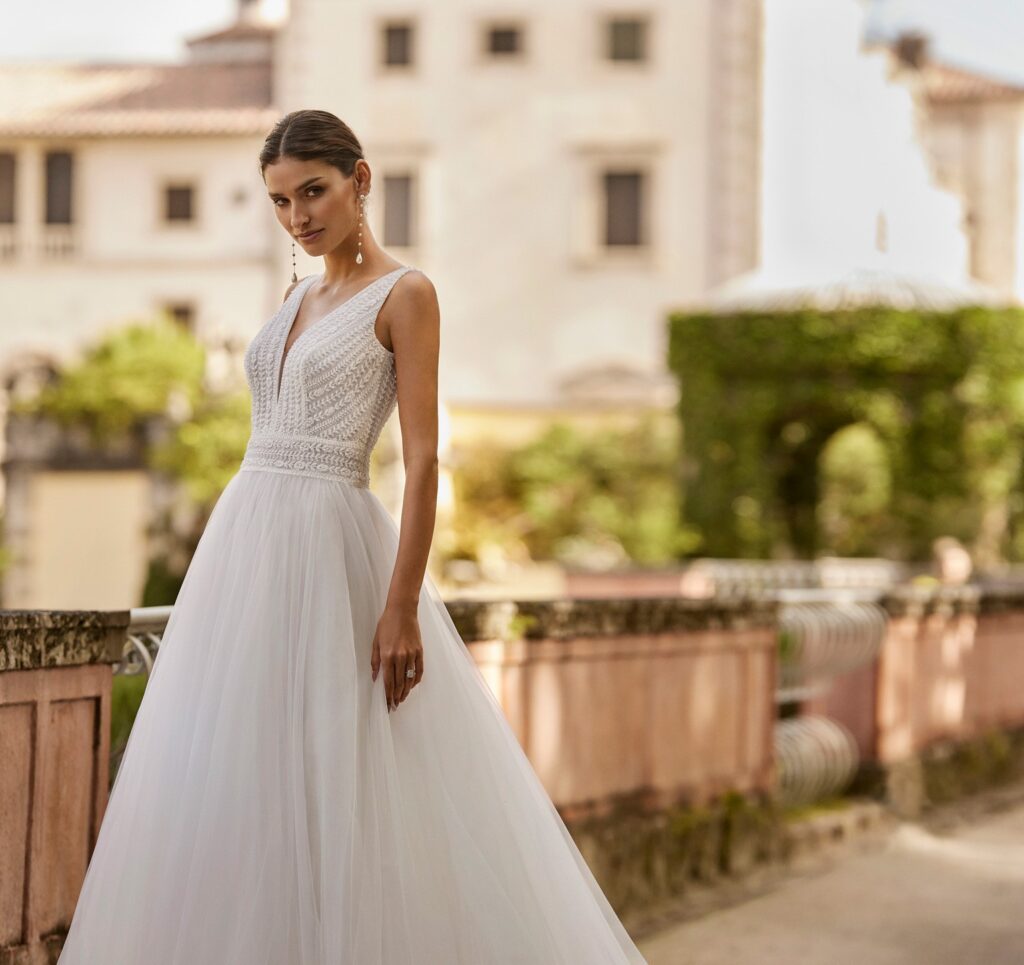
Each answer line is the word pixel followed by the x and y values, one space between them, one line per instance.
pixel 984 34
pixel 106 30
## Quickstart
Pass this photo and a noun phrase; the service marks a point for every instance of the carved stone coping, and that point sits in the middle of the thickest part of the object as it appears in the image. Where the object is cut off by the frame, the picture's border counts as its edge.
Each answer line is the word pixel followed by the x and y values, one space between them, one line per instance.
pixel 922 601
pixel 61 638
pixel 567 618
pixel 31 639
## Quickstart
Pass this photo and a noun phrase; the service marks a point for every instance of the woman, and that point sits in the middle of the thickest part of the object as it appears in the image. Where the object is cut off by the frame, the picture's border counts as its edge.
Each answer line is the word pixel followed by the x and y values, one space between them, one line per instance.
pixel 318 773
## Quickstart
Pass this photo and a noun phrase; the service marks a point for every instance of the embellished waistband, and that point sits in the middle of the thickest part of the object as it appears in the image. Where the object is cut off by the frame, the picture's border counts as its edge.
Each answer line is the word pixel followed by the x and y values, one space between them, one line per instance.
pixel 307 456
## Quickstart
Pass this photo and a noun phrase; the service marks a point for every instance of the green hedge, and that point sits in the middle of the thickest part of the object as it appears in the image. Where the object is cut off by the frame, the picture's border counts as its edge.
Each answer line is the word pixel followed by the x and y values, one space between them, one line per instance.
pixel 762 395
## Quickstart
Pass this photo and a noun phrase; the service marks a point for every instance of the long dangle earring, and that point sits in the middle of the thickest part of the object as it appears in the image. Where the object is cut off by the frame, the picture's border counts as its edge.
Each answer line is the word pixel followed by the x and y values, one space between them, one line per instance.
pixel 295 277
pixel 362 212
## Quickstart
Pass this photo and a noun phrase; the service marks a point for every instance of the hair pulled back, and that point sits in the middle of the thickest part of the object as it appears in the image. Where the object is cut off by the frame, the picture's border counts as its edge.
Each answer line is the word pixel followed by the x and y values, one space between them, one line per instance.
pixel 312 135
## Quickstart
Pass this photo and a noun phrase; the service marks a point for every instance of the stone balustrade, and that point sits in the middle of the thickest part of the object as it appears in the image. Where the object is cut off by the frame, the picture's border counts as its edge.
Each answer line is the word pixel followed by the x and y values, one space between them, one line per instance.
pixel 635 713
pixel 55 688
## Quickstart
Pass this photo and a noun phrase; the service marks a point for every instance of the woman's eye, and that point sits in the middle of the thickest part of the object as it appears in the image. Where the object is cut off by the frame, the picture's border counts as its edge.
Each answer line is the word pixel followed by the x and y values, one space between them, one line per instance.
pixel 277 201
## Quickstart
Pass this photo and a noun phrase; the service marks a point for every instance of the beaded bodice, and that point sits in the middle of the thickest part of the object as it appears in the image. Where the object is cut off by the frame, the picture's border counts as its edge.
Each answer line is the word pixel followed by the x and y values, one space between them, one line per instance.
pixel 337 388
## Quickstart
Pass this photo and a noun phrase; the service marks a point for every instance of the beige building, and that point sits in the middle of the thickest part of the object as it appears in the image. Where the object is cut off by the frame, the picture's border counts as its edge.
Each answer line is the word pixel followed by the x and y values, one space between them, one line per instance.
pixel 130 189
pixel 566 173
pixel 125 190
pixel 972 127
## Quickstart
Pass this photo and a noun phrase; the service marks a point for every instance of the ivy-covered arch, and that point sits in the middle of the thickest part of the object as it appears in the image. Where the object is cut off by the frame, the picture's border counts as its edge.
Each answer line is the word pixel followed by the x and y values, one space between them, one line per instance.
pixel 762 393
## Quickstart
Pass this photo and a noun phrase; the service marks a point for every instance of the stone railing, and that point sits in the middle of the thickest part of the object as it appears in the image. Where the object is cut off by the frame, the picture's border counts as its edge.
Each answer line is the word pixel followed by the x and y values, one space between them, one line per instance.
pixel 660 701
pixel 664 699
pixel 55 686
pixel 649 720
pixel 623 706
pixel 948 673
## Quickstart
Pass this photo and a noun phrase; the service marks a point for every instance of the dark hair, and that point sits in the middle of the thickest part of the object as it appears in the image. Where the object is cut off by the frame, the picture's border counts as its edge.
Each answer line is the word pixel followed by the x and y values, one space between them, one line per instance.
pixel 311 135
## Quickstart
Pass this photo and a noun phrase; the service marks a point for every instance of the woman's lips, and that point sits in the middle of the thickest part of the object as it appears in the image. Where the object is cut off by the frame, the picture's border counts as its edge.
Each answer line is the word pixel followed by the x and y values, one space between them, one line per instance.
pixel 311 235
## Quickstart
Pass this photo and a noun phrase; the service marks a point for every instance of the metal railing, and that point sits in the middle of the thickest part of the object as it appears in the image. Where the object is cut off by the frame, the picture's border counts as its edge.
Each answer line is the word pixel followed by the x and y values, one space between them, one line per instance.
pixel 145 631
pixel 823 633
pixel 816 757
pixel 732 576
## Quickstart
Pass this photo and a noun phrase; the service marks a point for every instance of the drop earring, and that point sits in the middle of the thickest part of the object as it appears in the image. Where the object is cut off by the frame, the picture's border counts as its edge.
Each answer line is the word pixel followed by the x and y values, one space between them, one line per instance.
pixel 362 212
pixel 295 277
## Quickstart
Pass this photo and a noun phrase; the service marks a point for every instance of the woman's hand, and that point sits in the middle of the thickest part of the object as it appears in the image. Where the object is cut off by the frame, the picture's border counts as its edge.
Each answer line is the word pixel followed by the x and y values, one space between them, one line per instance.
pixel 397 646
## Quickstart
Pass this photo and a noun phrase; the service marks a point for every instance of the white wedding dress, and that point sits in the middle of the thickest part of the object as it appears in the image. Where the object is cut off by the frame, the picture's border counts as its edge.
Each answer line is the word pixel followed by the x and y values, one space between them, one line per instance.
pixel 268 809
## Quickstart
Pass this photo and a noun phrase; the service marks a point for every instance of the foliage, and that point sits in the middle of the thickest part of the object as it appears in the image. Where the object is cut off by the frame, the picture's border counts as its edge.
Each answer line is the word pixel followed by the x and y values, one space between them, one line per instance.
pixel 163 581
pixel 205 450
pixel 134 372
pixel 126 696
pixel 856 488
pixel 938 399
pixel 573 495
pixel 155 372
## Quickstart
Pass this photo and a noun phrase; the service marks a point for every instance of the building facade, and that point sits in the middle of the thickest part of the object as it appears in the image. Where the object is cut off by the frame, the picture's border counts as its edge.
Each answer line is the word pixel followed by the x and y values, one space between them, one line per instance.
pixel 972 128
pixel 566 173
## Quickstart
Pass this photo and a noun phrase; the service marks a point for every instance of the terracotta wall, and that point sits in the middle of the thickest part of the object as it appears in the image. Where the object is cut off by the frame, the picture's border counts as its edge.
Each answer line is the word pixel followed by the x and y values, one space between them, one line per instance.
pixel 55 686
pixel 950 668
pixel 851 701
pixel 658 701
pixel 668 717
pixel 650 700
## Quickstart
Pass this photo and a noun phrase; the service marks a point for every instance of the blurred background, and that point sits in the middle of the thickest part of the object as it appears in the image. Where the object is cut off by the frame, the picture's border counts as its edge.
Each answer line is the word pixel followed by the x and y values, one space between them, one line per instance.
pixel 573 202
pixel 731 379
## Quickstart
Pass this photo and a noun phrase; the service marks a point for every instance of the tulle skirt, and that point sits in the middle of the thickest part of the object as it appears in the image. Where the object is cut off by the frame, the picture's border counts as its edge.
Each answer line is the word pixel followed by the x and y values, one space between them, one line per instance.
pixel 269 810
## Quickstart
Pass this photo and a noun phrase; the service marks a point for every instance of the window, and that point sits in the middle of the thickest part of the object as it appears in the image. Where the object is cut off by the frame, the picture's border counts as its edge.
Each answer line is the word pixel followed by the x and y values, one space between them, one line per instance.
pixel 504 40
pixel 398 41
pixel 58 187
pixel 7 164
pixel 623 205
pixel 179 203
pixel 398 210
pixel 614 219
pixel 627 39
pixel 182 313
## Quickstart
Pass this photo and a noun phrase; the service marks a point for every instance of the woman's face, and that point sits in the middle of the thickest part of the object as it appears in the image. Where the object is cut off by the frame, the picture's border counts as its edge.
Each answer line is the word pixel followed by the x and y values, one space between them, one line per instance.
pixel 313 198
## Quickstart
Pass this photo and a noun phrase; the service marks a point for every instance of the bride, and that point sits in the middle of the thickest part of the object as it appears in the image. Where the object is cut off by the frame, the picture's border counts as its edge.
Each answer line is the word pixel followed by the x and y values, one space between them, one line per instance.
pixel 318 773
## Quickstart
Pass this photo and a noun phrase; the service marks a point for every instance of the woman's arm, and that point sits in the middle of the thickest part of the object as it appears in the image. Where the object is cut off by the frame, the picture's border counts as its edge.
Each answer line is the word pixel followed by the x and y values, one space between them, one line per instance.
pixel 411 321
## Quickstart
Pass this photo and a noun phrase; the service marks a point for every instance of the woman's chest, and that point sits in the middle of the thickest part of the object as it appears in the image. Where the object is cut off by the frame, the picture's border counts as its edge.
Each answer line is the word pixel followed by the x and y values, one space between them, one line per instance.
pixel 340 355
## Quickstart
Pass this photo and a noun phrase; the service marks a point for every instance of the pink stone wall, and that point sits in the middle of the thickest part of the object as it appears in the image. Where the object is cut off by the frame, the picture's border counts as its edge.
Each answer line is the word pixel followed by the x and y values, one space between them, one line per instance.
pixel 55 746
pixel 674 717
pixel 851 701
pixel 946 675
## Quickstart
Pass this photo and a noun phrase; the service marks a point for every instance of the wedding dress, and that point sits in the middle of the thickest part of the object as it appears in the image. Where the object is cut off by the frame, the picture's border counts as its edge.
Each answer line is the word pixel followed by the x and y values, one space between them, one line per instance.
pixel 268 809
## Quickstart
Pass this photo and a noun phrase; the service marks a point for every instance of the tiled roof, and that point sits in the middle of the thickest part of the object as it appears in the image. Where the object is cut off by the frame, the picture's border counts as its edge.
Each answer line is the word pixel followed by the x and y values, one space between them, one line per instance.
pixel 237 31
pixel 951 85
pixel 944 83
pixel 105 100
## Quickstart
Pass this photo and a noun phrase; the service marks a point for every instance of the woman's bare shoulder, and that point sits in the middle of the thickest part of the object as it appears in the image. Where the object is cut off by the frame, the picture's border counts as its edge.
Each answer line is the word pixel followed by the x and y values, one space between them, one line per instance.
pixel 410 307
pixel 416 289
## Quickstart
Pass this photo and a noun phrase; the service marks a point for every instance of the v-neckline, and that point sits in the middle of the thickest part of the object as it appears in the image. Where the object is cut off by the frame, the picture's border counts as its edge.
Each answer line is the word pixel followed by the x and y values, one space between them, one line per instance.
pixel 282 355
